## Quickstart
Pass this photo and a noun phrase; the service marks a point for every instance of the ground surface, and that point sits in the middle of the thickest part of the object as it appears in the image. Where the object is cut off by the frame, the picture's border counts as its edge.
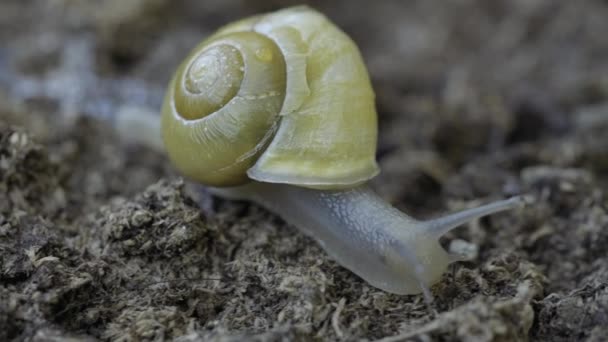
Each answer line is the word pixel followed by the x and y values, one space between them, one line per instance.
pixel 477 100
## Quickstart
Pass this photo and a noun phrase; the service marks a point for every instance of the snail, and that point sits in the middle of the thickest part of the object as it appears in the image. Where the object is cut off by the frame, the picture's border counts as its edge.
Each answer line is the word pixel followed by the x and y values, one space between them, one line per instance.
pixel 278 109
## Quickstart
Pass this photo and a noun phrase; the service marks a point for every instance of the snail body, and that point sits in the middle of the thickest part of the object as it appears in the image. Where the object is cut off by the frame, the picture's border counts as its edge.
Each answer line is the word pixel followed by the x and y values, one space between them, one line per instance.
pixel 278 109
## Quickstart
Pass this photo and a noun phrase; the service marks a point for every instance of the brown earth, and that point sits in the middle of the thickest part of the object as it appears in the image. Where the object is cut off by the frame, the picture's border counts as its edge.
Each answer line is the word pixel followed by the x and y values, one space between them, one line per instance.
pixel 477 100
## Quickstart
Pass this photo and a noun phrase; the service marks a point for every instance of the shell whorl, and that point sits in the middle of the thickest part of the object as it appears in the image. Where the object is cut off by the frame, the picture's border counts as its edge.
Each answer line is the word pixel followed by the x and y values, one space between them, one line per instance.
pixel 283 98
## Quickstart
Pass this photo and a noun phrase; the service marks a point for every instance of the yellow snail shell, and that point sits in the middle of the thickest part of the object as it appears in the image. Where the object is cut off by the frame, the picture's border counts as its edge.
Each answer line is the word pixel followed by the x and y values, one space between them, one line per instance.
pixel 279 98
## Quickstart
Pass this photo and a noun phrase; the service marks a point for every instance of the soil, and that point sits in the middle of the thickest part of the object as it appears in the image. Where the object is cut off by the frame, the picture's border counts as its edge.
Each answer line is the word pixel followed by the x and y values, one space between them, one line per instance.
pixel 478 100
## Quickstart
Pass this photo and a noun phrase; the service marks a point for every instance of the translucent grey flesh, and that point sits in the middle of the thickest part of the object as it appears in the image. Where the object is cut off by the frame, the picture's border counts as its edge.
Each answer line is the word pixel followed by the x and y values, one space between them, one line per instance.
pixel 139 125
pixel 382 245
pixel 444 224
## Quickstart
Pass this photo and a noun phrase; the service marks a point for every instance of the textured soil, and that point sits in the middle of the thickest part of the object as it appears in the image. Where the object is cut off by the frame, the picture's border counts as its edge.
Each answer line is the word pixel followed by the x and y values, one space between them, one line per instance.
pixel 477 100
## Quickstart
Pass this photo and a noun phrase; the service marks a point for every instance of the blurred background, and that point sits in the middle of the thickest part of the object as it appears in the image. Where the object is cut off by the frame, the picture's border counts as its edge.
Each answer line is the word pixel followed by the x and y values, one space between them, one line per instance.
pixel 473 75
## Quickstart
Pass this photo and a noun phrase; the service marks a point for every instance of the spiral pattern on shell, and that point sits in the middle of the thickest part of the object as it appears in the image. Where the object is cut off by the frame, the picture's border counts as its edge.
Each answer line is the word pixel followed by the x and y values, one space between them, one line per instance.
pixel 282 97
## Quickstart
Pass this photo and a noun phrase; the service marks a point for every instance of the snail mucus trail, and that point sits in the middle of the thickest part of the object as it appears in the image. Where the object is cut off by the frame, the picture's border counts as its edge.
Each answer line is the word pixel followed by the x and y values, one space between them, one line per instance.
pixel 278 109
